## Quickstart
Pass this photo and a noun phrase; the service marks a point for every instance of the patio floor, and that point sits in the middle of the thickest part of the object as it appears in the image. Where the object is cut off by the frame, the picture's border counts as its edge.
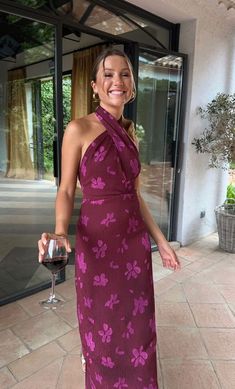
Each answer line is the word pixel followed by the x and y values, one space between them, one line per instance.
pixel 195 320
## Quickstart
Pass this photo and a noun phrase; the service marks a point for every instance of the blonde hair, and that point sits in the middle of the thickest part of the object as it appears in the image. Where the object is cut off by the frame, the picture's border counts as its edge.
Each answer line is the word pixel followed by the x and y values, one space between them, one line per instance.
pixel 132 134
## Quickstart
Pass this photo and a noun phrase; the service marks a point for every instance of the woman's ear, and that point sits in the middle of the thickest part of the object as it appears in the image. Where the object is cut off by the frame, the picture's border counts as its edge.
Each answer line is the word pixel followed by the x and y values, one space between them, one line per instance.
pixel 93 85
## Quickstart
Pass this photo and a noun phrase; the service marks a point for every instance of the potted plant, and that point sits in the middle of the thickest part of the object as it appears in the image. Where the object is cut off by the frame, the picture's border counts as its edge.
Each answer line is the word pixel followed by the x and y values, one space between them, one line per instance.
pixel 218 140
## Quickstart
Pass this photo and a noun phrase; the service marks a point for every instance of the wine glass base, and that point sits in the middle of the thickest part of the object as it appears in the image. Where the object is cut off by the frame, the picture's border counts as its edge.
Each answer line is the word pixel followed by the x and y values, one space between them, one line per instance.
pixel 52 303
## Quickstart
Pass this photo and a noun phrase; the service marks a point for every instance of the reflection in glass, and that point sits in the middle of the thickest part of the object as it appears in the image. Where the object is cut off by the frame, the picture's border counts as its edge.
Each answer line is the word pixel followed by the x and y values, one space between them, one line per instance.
pixel 128 26
pixel 29 40
pixel 159 90
pixel 76 8
pixel 104 20
pixel 27 131
pixel 118 22
pixel 32 3
pixel 150 33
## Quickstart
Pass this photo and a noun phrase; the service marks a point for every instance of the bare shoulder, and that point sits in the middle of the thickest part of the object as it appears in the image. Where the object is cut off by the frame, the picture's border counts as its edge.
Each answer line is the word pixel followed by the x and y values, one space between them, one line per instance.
pixel 79 128
pixel 74 132
pixel 75 127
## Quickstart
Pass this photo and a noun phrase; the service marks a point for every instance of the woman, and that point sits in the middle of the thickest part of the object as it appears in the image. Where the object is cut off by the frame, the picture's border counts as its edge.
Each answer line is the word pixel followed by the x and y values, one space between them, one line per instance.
pixel 115 299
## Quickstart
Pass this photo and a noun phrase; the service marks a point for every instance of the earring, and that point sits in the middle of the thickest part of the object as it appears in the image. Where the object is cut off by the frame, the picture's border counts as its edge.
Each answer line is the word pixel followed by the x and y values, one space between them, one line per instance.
pixel 95 97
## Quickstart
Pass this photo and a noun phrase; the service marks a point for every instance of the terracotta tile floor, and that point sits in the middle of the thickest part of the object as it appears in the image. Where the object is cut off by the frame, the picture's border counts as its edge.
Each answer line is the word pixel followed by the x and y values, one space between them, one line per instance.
pixel 195 311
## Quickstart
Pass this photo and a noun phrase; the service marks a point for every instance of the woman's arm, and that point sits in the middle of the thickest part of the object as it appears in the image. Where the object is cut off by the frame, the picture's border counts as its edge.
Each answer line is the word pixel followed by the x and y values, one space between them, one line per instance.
pixel 168 255
pixel 71 154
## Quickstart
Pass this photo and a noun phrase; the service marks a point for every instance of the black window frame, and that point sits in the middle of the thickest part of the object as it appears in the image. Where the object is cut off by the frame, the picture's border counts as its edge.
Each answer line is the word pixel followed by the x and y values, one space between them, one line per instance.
pixel 116 6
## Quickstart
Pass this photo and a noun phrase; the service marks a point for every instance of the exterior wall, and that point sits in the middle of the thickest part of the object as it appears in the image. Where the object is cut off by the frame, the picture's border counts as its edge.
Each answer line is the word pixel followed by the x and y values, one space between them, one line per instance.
pixel 209 40
pixel 210 72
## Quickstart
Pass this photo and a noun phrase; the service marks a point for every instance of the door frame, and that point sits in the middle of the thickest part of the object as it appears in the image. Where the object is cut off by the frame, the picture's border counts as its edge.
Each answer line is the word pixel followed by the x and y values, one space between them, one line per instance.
pixel 178 146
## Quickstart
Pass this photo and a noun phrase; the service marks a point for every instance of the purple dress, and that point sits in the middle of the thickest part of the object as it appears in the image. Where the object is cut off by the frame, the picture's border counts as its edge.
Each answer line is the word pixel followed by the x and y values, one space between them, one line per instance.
pixel 114 283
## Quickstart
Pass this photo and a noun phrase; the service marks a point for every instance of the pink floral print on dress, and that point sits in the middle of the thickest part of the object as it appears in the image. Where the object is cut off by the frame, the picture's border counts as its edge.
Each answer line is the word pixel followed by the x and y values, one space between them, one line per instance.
pixel 114 282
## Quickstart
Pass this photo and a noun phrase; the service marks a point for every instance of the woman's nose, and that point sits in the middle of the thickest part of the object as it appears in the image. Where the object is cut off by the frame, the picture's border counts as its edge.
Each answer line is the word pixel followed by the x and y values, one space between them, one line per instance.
pixel 118 80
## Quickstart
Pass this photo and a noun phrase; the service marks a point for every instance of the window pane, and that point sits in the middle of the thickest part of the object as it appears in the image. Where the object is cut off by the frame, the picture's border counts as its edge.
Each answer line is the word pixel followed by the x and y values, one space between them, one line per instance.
pixel 32 3
pixel 104 20
pixel 27 135
pixel 25 41
pixel 159 95
pixel 61 7
pixel 76 8
pixel 121 23
pixel 150 33
pixel 157 32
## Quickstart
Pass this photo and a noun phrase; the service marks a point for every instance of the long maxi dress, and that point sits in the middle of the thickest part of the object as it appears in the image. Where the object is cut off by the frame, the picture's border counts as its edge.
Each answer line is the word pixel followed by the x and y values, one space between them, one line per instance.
pixel 114 283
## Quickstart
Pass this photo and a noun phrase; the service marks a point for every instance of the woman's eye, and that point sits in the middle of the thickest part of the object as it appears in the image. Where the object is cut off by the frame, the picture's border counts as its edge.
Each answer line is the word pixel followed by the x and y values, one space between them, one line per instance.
pixel 108 75
pixel 125 75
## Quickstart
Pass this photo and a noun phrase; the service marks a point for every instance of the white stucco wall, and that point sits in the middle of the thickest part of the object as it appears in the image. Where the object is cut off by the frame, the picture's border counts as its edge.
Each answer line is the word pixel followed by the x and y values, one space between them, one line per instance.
pixel 208 37
pixel 210 70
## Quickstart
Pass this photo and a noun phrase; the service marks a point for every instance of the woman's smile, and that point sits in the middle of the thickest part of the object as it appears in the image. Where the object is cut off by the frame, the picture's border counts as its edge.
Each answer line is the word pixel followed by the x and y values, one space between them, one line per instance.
pixel 114 83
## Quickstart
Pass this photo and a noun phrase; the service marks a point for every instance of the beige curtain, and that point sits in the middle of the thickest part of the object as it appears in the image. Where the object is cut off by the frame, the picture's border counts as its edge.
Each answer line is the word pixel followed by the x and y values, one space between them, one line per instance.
pixel 82 102
pixel 19 161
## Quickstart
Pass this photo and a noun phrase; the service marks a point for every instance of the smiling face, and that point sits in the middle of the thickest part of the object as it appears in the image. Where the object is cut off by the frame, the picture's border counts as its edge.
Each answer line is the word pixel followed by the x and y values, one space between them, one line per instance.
pixel 114 82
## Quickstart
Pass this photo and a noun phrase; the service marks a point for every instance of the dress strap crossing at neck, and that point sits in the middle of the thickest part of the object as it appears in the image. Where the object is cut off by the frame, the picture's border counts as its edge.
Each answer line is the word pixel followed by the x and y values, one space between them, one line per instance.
pixel 126 148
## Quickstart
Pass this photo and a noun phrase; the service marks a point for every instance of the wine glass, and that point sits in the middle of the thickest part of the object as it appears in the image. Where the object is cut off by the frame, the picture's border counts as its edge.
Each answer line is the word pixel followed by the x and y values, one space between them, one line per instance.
pixel 55 259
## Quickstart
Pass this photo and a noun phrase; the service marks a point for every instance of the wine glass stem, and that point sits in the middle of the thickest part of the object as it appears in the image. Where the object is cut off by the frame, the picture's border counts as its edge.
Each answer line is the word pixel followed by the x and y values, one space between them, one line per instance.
pixel 53 286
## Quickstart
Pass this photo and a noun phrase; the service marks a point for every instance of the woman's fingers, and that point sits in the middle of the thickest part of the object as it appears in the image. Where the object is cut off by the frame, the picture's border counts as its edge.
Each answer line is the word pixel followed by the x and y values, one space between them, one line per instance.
pixel 171 263
pixel 41 251
pixel 43 242
pixel 169 257
pixel 68 246
pixel 65 242
pixel 41 245
pixel 175 262
pixel 177 265
pixel 44 237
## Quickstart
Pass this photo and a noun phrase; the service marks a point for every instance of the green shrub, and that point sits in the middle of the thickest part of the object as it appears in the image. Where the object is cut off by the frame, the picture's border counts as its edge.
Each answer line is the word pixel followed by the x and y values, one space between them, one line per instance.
pixel 231 194
pixel 218 139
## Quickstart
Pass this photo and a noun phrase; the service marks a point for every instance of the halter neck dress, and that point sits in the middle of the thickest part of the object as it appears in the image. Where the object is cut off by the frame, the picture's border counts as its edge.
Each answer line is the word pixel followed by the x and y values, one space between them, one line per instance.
pixel 114 283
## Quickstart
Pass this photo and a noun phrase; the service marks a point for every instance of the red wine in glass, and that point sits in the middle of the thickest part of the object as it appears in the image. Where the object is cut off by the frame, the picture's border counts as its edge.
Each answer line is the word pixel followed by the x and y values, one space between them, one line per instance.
pixel 56 264
pixel 55 259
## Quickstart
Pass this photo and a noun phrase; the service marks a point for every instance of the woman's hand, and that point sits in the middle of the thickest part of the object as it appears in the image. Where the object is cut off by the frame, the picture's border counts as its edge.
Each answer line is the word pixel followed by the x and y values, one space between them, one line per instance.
pixel 169 257
pixel 43 242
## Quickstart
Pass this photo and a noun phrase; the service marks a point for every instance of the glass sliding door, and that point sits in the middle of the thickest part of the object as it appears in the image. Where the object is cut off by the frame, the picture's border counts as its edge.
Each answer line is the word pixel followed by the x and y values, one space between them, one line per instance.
pixel 27 132
pixel 159 96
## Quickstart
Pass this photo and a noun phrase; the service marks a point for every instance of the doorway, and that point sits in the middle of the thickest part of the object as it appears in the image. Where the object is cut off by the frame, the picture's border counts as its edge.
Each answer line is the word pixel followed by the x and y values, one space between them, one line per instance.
pixel 158 113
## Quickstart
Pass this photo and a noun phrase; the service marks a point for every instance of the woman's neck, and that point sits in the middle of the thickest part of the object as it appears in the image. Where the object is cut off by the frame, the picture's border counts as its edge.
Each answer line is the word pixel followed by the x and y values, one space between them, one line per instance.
pixel 116 112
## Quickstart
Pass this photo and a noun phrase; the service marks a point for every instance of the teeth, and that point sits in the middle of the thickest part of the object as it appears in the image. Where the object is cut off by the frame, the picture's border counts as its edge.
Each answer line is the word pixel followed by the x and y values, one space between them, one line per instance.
pixel 118 93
